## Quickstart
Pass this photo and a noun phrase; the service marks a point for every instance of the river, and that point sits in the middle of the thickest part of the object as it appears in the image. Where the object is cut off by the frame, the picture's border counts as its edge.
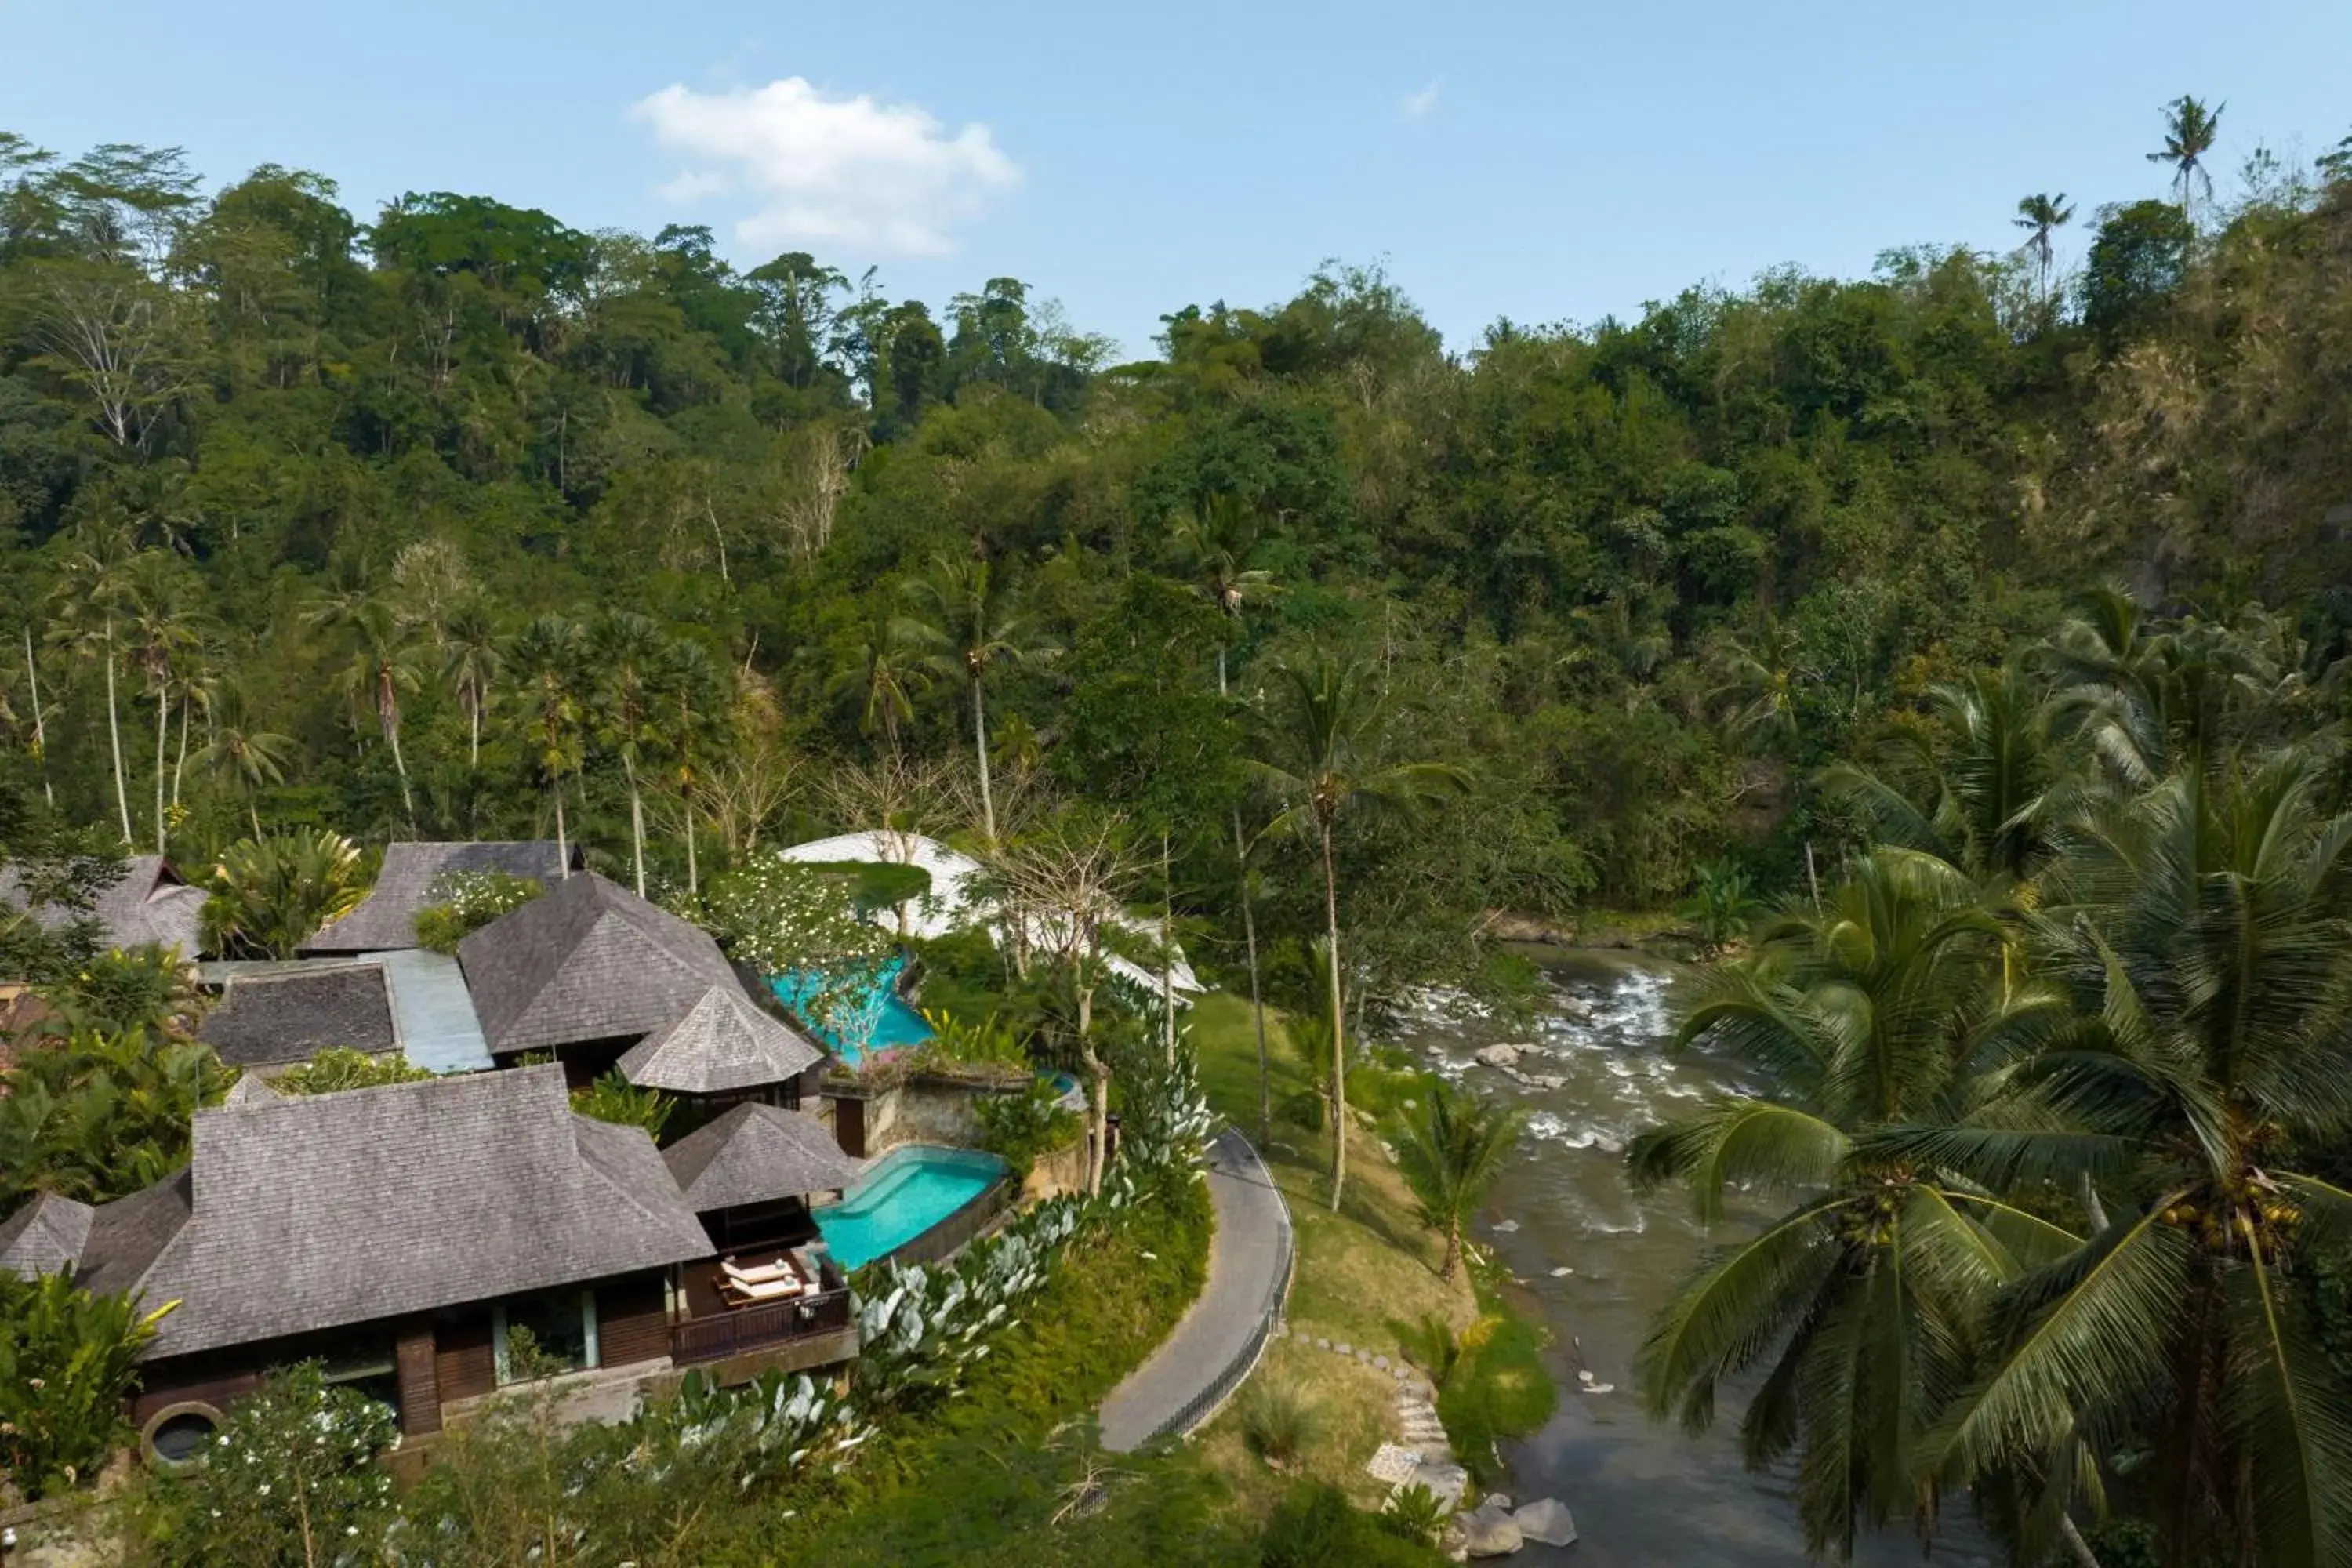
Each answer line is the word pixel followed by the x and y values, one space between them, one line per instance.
pixel 1598 1260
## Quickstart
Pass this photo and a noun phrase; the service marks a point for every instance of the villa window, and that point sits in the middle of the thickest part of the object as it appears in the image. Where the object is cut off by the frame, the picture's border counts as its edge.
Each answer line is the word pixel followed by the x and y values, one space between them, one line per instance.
pixel 544 1335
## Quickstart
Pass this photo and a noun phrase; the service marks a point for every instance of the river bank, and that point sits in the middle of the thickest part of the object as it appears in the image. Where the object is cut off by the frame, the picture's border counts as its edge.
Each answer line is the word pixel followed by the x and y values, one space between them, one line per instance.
pixel 1594 1261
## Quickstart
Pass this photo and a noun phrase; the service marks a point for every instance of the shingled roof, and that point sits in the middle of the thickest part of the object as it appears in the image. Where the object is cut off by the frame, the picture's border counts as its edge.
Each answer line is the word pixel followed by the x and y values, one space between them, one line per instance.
pixel 311 1212
pixel 723 1042
pixel 148 903
pixel 44 1236
pixel 754 1154
pixel 386 918
pixel 590 961
pixel 273 1016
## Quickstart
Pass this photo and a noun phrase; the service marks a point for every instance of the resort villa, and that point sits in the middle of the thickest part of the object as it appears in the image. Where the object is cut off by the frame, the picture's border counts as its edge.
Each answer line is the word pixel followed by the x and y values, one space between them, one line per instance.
pixel 403 1235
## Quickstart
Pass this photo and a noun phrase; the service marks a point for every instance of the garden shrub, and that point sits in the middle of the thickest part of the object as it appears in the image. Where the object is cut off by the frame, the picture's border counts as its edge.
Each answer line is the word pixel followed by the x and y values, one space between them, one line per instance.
pixel 66 1360
pixel 1019 1128
pixel 463 902
pixel 614 1098
pixel 290 1480
pixel 1498 1389
pixel 1317 1527
pixel 340 1067
pixel 1279 1421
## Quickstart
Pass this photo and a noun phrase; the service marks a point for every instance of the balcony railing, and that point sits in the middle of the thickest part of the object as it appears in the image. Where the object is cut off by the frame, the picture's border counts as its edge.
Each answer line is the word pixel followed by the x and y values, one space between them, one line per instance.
pixel 742 1328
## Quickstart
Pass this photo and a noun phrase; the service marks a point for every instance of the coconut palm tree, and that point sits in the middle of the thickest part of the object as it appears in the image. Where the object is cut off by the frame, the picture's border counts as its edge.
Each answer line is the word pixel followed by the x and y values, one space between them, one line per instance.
pixel 881 672
pixel 473 656
pixel 1450 1153
pixel 241 755
pixel 2042 215
pixel 1324 750
pixel 2198 929
pixel 1755 691
pixel 627 653
pixel 553 653
pixel 160 634
pixel 2189 132
pixel 382 661
pixel 1863 1300
pixel 1980 789
pixel 963 620
pixel 84 611
pixel 695 689
pixel 1214 544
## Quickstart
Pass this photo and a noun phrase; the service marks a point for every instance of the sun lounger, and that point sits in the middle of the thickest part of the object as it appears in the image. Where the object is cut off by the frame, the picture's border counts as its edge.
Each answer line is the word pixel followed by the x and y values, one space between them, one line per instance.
pixel 762 1274
pixel 775 1290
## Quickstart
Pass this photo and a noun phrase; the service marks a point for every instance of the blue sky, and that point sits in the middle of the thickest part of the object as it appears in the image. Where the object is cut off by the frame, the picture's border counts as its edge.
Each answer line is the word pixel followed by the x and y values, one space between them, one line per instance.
pixel 1544 161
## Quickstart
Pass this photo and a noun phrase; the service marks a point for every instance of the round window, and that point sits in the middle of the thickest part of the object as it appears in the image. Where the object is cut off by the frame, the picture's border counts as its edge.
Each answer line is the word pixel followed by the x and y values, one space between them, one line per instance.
pixel 178 1438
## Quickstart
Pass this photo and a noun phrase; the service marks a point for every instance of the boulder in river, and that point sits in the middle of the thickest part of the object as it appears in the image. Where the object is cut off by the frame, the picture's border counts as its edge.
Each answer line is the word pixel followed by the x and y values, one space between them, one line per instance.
pixel 1576 1008
pixel 1488 1532
pixel 1499 1056
pixel 1546 1521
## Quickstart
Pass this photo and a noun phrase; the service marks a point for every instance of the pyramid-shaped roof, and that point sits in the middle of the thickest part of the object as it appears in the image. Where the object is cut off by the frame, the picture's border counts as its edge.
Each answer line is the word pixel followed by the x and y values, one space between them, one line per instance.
pixel 589 961
pixel 755 1154
pixel 722 1043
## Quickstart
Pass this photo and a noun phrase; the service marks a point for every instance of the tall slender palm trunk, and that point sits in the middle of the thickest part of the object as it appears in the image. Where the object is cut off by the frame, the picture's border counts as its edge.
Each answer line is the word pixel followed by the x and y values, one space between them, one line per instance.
pixel 563 843
pixel 162 734
pixel 693 868
pixel 40 724
pixel 979 746
pixel 1098 1093
pixel 400 767
pixel 1338 1038
pixel 180 762
pixel 1167 952
pixel 1249 945
pixel 114 740
pixel 636 824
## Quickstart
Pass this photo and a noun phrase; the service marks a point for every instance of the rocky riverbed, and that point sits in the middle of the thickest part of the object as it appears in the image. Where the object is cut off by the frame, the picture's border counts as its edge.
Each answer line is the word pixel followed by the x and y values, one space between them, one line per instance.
pixel 1597 1260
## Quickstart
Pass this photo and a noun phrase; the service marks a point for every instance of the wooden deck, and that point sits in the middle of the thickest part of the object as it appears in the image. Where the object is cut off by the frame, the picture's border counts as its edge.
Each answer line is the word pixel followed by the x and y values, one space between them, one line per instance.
pixel 717 1330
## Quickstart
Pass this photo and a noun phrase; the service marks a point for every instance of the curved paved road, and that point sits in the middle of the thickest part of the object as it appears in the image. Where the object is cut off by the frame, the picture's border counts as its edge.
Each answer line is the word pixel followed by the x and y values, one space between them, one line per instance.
pixel 1249 1260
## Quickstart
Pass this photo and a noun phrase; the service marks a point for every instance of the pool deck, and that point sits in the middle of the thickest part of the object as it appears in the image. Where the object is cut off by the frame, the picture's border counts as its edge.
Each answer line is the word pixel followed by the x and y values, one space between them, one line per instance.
pixel 1248 1260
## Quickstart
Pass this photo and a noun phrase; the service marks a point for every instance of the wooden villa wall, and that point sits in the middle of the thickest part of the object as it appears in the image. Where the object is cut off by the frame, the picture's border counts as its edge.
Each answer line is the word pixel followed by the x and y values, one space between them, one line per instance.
pixel 464 1364
pixel 632 1320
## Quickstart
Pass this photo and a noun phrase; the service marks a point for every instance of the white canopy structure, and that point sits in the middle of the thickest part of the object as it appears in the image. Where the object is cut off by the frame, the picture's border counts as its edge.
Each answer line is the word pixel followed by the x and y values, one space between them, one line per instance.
pixel 952 905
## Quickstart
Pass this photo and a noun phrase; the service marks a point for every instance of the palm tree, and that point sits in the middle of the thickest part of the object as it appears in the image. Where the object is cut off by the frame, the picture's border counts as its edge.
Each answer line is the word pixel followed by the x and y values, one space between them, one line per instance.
pixel 1981 789
pixel 1755 689
pixel 383 661
pixel 1885 1009
pixel 160 631
pixel 1450 1153
pixel 243 756
pixel 879 671
pixel 964 620
pixel 2040 216
pixel 2189 132
pixel 2198 930
pixel 473 656
pixel 269 894
pixel 692 681
pixel 628 652
pixel 1325 752
pixel 1214 544
pixel 551 653
pixel 84 610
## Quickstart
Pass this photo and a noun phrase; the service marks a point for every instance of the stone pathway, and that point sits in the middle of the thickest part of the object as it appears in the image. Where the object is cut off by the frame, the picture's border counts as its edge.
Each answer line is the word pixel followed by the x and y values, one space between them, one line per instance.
pixel 1249 1260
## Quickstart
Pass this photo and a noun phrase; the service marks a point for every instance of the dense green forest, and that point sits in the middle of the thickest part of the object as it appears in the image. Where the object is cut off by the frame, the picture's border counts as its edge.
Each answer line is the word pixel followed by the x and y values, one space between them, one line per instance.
pixel 456 521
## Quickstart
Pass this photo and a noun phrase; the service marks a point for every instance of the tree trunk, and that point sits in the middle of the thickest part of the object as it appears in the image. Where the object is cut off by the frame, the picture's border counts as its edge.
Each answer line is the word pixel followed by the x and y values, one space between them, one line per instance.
pixel 253 814
pixel 1338 1037
pixel 693 868
pixel 474 740
pixel 636 824
pixel 400 767
pixel 163 738
pixel 1098 1093
pixel 179 764
pixel 1452 1249
pixel 2075 1543
pixel 40 724
pixel 1167 953
pixel 980 746
pixel 1249 944
pixel 563 844
pixel 114 740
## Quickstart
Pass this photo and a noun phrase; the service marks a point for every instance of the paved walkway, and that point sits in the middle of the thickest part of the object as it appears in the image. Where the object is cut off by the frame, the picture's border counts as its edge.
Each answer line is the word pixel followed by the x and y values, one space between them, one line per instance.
pixel 1222 1333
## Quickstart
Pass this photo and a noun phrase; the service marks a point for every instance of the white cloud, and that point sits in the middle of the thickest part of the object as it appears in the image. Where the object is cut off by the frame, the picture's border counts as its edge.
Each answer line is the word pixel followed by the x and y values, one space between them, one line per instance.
pixel 1420 103
pixel 823 170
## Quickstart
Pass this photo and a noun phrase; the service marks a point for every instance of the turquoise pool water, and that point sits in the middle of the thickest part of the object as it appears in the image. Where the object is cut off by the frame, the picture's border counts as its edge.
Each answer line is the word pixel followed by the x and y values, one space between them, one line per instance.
pixel 907 1192
pixel 897 1025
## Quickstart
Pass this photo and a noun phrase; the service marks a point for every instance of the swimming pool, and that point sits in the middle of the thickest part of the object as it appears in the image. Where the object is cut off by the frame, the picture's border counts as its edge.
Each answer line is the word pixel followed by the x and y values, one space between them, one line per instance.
pixel 895 1024
pixel 901 1196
